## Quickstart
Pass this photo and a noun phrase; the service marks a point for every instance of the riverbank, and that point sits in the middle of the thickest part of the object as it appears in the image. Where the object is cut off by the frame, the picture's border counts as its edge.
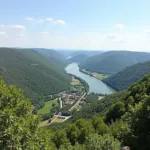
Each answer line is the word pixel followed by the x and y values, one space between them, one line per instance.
pixel 94 74
pixel 98 76
pixel 83 82
pixel 95 84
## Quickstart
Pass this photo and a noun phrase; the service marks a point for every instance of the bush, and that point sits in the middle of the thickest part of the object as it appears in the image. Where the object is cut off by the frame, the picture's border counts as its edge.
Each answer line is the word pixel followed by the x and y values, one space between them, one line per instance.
pixel 105 142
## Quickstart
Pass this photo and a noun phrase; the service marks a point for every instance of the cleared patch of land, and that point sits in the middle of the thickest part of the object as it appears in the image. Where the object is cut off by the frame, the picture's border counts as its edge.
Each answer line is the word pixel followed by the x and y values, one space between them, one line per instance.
pixel 76 85
pixel 46 122
pixel 100 97
pixel 94 74
pixel 75 81
pixel 48 106
pixel 43 123
pixel 58 120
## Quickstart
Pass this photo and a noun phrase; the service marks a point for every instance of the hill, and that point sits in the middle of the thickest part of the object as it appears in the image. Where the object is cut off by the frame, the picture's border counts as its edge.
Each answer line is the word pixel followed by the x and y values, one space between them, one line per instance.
pixel 75 53
pixel 88 53
pixel 126 77
pixel 123 115
pixel 124 122
pixel 78 58
pixel 113 61
pixel 53 56
pixel 38 76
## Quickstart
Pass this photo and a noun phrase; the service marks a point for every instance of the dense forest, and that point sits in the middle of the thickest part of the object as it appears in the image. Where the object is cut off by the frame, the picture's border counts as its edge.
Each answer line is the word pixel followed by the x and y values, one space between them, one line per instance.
pixel 125 122
pixel 38 76
pixel 121 119
pixel 126 77
pixel 53 57
pixel 113 61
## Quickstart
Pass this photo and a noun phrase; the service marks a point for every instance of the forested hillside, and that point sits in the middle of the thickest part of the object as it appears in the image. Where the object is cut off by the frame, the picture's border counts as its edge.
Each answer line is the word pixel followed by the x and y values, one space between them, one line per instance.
pixel 121 119
pixel 125 122
pixel 113 61
pixel 126 77
pixel 78 58
pixel 35 74
pixel 53 56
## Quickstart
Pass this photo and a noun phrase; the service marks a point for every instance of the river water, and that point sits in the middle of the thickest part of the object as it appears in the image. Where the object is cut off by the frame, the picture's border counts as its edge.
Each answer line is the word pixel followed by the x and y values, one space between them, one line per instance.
pixel 95 85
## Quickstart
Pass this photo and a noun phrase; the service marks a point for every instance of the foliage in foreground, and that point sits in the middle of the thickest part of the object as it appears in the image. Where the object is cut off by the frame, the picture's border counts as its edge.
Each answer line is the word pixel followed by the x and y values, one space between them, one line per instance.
pixel 127 120
pixel 129 126
pixel 18 126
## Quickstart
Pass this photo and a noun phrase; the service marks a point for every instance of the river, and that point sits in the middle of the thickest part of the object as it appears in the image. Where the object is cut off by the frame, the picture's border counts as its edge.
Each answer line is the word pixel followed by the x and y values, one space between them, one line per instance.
pixel 95 85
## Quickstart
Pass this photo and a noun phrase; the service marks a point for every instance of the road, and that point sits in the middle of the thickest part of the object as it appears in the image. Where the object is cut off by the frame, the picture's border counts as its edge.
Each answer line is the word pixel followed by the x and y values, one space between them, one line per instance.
pixel 77 103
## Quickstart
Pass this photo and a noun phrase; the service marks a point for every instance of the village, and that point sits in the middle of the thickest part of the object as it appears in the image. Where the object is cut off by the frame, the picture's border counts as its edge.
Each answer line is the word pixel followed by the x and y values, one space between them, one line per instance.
pixel 66 102
pixel 71 99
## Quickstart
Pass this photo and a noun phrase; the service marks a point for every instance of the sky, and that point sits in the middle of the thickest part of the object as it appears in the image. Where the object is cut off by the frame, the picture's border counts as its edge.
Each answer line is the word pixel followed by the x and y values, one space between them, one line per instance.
pixel 76 24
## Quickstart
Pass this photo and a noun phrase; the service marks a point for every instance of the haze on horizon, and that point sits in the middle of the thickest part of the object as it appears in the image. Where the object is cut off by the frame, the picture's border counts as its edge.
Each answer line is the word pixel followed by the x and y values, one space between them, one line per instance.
pixel 76 24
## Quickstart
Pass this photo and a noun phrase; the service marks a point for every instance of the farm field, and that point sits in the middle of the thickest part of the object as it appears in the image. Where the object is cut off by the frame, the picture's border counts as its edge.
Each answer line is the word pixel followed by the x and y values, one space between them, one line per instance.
pixel 48 106
pixel 94 74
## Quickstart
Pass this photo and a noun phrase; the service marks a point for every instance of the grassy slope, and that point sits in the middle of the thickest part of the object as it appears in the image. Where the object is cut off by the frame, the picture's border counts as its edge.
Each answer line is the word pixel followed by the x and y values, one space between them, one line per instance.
pixel 94 74
pixel 128 76
pixel 48 106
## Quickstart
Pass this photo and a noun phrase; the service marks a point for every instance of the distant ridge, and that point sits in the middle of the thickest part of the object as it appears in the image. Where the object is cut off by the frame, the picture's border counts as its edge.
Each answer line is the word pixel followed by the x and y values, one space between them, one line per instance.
pixel 126 77
pixel 37 75
pixel 112 62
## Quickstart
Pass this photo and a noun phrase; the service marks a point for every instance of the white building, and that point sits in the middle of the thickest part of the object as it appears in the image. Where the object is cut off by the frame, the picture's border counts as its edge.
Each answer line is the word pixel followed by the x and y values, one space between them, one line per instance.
pixel 60 102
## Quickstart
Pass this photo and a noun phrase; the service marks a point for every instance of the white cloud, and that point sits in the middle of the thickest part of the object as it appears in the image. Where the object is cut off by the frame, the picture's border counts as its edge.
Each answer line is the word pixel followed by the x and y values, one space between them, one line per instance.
pixel 20 35
pixel 44 33
pixel 119 26
pixel 111 41
pixel 29 19
pixel 111 36
pixel 16 26
pixel 2 33
pixel 40 21
pixel 56 21
pixel 147 32
pixel 49 19
pixel 2 26
pixel 59 22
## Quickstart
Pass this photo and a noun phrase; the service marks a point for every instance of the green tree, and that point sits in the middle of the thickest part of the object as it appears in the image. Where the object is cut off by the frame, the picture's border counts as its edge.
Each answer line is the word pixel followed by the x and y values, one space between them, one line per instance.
pixel 130 100
pixel 138 126
pixel 99 125
pixel 105 142
pixel 73 133
pixel 59 138
pixel 115 112
pixel 18 126
pixel 85 127
pixel 75 147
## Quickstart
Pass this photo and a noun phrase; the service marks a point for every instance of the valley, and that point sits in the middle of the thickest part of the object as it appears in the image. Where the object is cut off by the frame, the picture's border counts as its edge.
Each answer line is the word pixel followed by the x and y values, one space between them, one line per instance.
pixel 74 75
pixel 73 103
pixel 95 85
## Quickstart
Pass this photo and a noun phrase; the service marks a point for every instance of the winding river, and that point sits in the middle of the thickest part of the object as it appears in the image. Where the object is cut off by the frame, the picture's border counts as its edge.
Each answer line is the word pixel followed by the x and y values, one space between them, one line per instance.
pixel 95 85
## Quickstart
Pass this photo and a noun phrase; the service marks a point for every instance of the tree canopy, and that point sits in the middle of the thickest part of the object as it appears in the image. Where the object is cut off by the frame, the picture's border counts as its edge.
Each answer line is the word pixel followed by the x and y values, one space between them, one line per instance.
pixel 18 126
pixel 126 77
pixel 112 62
pixel 37 75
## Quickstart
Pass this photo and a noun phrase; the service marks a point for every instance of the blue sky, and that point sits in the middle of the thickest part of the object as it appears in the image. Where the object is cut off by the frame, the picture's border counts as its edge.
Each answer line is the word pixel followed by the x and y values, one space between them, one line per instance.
pixel 76 24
